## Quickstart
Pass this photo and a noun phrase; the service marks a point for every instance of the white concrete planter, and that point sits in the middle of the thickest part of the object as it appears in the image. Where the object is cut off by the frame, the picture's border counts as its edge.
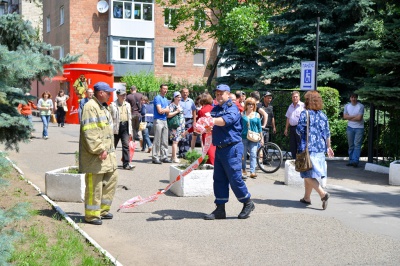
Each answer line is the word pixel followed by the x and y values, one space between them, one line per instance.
pixel 63 186
pixel 394 173
pixel 293 178
pixel 376 168
pixel 196 184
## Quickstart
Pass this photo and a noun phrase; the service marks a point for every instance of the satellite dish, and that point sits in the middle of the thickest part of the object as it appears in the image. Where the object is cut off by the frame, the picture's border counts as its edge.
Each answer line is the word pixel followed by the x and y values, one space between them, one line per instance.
pixel 102 6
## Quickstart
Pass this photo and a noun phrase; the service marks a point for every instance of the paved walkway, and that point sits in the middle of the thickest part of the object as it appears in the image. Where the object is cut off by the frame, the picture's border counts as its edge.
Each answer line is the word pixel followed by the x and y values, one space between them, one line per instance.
pixel 360 227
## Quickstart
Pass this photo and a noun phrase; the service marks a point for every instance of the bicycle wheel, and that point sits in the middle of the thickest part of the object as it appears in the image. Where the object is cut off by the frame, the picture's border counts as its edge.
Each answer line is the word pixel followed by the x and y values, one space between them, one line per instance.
pixel 269 158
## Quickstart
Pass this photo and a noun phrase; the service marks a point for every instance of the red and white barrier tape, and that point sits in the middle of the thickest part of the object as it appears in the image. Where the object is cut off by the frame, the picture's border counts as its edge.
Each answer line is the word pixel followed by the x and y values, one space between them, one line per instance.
pixel 138 200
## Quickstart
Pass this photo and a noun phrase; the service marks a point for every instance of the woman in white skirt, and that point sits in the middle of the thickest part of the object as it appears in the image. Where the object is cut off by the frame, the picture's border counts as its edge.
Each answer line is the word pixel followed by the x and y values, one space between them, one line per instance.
pixel 319 143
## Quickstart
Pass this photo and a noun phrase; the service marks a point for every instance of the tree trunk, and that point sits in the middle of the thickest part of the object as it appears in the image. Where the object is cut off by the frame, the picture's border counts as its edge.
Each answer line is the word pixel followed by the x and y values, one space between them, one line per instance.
pixel 214 67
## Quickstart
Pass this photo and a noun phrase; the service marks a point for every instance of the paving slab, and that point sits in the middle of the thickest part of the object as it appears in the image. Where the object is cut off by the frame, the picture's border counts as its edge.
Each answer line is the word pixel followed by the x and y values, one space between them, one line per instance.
pixel 361 225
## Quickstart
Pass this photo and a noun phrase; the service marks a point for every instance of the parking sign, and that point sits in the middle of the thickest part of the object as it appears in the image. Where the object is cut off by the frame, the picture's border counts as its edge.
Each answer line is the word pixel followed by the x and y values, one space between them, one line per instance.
pixel 307 75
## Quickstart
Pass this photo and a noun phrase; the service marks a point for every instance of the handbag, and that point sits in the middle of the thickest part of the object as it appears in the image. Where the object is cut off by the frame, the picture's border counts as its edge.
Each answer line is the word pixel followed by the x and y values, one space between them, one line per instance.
pixel 251 135
pixel 142 126
pixel 65 108
pixel 303 161
pixel 174 122
pixel 53 118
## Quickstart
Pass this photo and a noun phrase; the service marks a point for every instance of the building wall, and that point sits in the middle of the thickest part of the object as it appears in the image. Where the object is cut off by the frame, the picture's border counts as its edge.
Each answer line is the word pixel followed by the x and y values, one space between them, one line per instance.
pixel 88 32
pixel 184 68
pixel 32 11
pixel 59 33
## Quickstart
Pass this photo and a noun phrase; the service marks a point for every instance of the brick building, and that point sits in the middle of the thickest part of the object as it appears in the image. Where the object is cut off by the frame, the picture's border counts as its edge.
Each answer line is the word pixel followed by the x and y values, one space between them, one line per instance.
pixel 132 35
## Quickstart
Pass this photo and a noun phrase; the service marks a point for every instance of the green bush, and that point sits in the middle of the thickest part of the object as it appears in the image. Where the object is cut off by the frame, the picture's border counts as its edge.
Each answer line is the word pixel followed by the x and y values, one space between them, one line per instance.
pixel 144 81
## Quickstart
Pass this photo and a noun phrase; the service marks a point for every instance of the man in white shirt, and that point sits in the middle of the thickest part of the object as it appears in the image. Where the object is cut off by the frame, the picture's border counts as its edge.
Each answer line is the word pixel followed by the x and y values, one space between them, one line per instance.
pixel 292 118
pixel 353 113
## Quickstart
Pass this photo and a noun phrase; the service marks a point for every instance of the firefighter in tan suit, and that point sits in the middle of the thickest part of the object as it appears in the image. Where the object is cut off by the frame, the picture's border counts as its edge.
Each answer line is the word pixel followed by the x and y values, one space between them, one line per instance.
pixel 97 155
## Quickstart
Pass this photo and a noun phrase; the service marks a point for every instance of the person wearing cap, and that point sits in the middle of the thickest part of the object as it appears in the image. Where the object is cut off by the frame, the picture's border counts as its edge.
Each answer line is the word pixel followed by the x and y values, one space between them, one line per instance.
pixel 226 136
pixel 80 87
pixel 353 113
pixel 97 155
pixel 122 125
pixel 160 141
pixel 292 118
pixel 175 134
pixel 269 109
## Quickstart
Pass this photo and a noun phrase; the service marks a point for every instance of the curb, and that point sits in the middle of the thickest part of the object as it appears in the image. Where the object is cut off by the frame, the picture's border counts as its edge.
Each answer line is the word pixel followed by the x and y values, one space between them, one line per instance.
pixel 67 218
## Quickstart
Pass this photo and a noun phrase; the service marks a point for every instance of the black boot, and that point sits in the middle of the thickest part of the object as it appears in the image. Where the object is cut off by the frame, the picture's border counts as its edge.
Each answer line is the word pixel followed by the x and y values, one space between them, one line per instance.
pixel 248 207
pixel 218 213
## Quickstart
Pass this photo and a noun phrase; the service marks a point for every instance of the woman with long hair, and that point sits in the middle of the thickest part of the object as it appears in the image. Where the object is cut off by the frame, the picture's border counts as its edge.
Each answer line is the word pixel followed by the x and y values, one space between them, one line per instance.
pixel 319 143
pixel 250 121
pixel 45 106
pixel 60 102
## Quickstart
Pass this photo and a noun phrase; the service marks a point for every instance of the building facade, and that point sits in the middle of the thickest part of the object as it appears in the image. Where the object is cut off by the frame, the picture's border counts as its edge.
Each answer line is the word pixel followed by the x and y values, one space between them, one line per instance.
pixel 132 35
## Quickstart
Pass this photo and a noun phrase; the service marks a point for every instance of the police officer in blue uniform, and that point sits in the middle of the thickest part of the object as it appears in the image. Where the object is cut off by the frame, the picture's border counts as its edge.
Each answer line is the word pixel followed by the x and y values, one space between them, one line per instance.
pixel 226 136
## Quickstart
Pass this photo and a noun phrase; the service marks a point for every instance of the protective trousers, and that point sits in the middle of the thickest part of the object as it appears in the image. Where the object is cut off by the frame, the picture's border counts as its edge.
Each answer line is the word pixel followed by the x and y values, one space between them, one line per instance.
pixel 228 171
pixel 99 193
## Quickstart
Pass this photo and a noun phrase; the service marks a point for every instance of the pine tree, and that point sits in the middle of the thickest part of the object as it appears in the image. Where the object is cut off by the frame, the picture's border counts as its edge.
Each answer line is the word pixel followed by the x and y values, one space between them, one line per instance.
pixel 23 58
pixel 294 40
pixel 379 52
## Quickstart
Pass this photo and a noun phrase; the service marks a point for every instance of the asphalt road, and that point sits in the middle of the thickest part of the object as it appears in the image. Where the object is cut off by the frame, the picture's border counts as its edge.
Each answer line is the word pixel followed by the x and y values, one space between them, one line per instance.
pixel 361 225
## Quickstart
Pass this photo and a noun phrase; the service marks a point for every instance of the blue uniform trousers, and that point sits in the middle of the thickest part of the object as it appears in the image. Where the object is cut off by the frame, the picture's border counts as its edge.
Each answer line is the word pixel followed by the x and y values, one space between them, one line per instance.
pixel 228 171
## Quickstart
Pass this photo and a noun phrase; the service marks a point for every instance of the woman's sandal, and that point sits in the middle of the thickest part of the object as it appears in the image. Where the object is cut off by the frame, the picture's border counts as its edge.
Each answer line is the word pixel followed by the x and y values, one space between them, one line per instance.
pixel 305 202
pixel 325 201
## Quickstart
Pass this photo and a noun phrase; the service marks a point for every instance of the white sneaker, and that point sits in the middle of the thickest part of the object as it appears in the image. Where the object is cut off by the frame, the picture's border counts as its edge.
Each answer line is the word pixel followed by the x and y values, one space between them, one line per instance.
pixel 176 160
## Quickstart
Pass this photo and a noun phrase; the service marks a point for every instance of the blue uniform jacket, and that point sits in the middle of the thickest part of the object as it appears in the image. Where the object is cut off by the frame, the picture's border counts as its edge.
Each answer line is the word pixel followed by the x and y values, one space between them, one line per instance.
pixel 231 132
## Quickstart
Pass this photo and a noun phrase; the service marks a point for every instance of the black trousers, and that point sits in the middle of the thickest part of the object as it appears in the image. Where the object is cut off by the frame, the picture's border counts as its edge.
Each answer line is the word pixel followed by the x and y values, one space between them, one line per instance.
pixel 184 143
pixel 294 141
pixel 123 135
pixel 60 115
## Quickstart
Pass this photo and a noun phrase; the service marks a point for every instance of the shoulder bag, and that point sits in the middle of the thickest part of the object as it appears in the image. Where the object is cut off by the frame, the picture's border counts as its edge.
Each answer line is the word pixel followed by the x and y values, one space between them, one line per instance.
pixel 251 135
pixel 174 122
pixel 303 161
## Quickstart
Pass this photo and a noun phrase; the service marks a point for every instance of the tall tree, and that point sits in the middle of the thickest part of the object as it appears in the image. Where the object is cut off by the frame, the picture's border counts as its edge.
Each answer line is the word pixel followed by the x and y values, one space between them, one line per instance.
pixel 23 58
pixel 229 22
pixel 294 40
pixel 378 51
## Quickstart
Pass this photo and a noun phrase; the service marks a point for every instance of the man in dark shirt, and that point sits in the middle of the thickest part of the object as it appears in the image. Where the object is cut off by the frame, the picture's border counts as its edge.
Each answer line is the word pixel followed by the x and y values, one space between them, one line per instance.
pixel 269 109
pixel 134 99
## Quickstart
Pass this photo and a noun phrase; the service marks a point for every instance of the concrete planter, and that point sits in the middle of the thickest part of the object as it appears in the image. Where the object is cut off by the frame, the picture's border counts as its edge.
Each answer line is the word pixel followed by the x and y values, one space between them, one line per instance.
pixel 394 173
pixel 196 184
pixel 63 186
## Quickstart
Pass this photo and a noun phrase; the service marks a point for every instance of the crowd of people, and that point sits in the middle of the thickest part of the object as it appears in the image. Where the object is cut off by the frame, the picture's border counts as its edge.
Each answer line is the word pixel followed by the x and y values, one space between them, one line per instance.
pixel 234 117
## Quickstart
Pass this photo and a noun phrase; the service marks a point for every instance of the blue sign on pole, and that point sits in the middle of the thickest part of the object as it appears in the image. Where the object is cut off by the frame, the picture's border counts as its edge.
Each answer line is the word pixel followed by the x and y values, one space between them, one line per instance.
pixel 307 81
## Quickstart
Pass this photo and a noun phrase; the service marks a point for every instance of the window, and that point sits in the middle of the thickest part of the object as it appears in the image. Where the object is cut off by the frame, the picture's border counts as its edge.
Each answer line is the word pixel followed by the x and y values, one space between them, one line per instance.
pixel 131 50
pixel 169 16
pixel 199 19
pixel 135 9
pixel 48 23
pixel 61 52
pixel 61 15
pixel 169 56
pixel 199 57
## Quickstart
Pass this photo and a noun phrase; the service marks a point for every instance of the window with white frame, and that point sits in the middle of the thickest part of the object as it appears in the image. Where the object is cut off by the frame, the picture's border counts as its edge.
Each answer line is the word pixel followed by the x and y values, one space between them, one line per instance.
pixel 169 56
pixel 169 16
pixel 199 19
pixel 61 15
pixel 132 50
pixel 48 23
pixel 199 57
pixel 134 9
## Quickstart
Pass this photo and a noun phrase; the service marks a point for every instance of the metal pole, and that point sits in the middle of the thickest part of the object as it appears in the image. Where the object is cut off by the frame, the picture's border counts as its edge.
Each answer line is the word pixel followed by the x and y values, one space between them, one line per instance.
pixel 316 55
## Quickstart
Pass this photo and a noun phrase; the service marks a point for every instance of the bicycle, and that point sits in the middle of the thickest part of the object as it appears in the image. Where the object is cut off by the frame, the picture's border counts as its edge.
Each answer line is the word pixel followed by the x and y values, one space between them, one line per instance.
pixel 269 155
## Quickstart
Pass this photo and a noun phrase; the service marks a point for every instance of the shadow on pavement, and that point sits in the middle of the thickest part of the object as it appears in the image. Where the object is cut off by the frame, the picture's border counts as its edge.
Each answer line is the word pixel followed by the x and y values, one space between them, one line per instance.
pixel 175 215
